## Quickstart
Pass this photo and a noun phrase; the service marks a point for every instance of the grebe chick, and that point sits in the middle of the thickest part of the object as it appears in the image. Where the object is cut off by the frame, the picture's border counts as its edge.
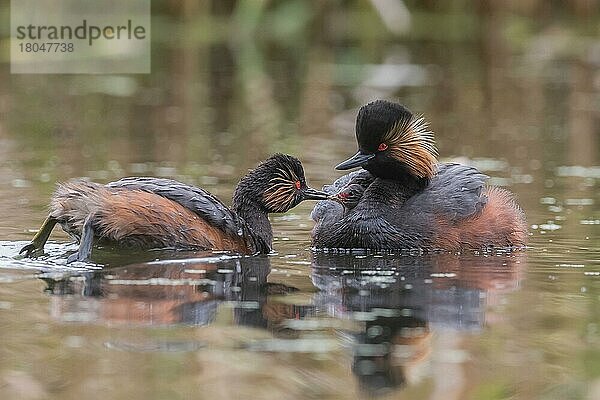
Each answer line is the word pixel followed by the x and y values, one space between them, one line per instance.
pixel 146 213
pixel 325 212
pixel 349 196
pixel 414 201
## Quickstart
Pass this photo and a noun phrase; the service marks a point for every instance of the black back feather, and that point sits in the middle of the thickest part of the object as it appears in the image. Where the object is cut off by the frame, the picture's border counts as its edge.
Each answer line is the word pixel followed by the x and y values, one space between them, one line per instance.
pixel 195 199
pixel 456 191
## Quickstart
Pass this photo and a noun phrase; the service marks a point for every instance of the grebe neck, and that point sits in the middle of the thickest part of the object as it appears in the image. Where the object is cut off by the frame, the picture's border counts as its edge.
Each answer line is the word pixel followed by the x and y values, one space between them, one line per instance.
pixel 395 171
pixel 393 191
pixel 254 215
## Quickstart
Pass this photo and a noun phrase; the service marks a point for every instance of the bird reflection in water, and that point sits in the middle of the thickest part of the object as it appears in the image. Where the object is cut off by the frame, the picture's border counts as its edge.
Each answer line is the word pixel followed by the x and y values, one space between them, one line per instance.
pixel 400 315
pixel 187 291
pixel 402 303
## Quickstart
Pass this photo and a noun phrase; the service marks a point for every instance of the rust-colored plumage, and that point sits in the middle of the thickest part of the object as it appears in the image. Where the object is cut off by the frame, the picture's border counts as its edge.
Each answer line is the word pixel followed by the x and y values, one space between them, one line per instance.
pixel 500 223
pixel 135 218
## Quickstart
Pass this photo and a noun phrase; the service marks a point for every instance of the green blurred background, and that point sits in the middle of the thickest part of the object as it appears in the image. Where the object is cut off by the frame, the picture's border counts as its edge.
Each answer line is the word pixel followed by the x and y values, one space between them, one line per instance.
pixel 234 81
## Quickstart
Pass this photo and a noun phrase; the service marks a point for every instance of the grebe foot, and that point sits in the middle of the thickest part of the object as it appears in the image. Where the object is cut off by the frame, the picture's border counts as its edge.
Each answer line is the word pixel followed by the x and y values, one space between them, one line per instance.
pixel 32 249
pixel 85 244
pixel 36 246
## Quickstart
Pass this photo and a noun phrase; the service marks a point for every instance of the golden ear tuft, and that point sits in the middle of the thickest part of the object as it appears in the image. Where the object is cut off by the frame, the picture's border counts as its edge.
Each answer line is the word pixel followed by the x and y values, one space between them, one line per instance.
pixel 413 143
pixel 280 195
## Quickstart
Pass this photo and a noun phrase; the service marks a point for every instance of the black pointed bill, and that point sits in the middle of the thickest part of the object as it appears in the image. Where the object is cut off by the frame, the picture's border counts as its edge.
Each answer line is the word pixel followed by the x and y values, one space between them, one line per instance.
pixel 356 160
pixel 313 194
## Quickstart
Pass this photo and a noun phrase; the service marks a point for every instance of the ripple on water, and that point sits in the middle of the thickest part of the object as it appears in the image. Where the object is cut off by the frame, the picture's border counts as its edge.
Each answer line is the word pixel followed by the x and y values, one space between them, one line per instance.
pixel 54 259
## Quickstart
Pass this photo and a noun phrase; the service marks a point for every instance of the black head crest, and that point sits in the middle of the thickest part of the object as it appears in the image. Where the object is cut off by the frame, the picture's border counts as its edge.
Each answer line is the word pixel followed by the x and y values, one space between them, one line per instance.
pixel 286 178
pixel 275 185
pixel 386 126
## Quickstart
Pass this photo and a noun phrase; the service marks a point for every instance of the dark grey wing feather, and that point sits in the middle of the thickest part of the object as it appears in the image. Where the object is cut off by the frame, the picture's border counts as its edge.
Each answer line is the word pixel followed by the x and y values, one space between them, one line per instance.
pixel 456 191
pixel 198 200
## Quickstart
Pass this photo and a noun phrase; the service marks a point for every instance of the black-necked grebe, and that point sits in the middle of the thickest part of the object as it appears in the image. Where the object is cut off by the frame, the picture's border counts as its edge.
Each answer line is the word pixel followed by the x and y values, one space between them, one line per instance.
pixel 412 201
pixel 148 213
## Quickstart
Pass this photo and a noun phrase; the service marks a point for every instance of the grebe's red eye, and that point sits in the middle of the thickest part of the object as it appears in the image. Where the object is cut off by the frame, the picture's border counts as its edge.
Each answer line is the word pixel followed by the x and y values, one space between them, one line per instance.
pixel 298 185
pixel 382 147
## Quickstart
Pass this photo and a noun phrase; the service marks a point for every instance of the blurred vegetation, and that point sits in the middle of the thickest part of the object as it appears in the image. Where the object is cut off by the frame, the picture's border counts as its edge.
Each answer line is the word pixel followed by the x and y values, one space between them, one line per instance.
pixel 265 71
